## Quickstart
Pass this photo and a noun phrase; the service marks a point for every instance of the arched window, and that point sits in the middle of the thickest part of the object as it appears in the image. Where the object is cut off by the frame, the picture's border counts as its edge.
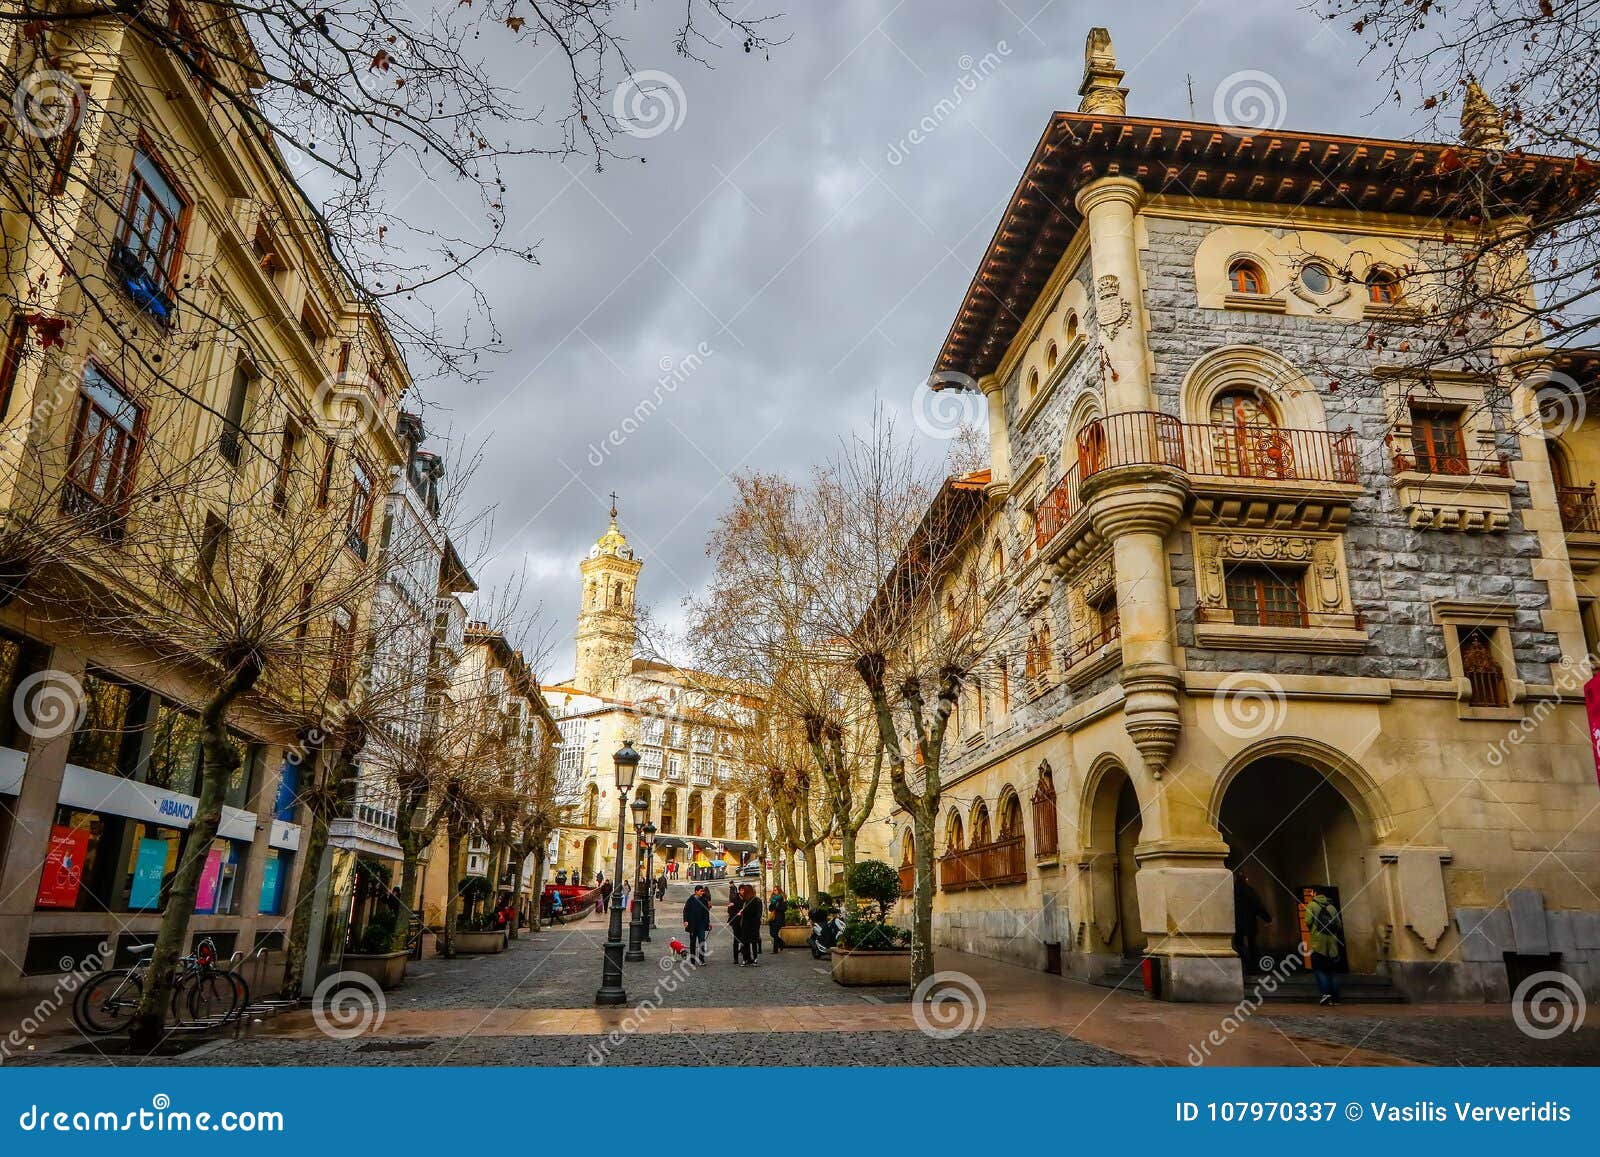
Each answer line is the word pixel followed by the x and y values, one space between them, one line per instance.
pixel 1010 818
pixel 1383 287
pixel 669 811
pixel 591 806
pixel 1072 326
pixel 908 849
pixel 1242 407
pixel 1246 442
pixel 997 558
pixel 696 824
pixel 719 818
pixel 1033 384
pixel 616 595
pixel 643 796
pixel 1046 838
pixel 741 821
pixel 1050 356
pixel 1246 277
pixel 954 840
pixel 980 824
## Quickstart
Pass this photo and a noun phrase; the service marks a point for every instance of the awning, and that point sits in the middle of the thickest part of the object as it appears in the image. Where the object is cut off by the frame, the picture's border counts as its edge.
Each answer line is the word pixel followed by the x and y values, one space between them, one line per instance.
pixel 738 845
pixel 670 842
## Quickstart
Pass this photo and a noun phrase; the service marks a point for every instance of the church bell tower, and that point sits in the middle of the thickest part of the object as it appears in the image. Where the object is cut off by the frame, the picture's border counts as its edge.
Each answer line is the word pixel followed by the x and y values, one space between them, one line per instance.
pixel 606 628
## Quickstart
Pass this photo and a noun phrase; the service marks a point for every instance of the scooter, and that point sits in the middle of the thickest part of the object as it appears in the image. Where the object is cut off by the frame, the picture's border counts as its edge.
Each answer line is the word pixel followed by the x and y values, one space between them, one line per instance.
pixel 825 935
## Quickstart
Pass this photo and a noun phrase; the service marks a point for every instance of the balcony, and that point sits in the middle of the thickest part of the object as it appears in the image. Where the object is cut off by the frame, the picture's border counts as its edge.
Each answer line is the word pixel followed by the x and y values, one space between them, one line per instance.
pixel 1580 518
pixel 1092 656
pixel 1237 471
pixel 985 866
pixel 700 779
pixel 908 879
pixel 1580 512
pixel 1441 487
pixel 1289 629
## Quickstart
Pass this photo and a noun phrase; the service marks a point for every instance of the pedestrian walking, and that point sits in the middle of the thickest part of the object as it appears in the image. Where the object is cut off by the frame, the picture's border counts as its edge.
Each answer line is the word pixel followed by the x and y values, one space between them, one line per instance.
pixel 1248 911
pixel 777 908
pixel 747 926
pixel 661 887
pixel 1325 930
pixel 697 923
pixel 605 896
pixel 555 907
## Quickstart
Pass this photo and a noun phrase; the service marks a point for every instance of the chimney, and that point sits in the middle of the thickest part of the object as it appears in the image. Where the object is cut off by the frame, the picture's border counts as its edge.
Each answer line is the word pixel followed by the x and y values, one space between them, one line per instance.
pixel 1101 88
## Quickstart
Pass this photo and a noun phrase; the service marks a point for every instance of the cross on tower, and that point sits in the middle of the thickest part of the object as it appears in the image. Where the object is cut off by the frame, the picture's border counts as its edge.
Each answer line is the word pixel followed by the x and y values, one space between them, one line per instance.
pixel 613 504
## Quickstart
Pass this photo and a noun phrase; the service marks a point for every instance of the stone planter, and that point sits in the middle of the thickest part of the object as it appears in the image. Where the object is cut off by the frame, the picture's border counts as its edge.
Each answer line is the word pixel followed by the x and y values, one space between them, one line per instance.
pixel 794 935
pixel 387 968
pixel 479 943
pixel 880 966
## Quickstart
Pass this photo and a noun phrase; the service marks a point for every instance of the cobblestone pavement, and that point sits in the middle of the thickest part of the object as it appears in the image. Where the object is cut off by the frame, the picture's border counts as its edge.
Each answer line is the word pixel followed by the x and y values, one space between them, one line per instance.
pixel 998 1047
pixel 1446 1040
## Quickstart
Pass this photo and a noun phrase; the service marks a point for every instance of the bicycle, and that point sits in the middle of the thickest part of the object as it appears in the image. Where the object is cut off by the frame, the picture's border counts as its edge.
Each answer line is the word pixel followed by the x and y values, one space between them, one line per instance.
pixel 107 1002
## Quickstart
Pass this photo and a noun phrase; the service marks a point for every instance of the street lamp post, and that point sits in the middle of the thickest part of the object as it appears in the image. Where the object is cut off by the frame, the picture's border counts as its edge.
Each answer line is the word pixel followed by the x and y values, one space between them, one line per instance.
pixel 626 761
pixel 649 876
pixel 636 923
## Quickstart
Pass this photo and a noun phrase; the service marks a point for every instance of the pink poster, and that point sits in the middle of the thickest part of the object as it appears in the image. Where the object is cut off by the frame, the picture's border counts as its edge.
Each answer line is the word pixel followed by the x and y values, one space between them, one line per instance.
pixel 205 898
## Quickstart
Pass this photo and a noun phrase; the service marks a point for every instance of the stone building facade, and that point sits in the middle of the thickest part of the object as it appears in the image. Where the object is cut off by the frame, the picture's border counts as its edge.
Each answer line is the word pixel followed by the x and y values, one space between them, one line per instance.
pixel 1293 611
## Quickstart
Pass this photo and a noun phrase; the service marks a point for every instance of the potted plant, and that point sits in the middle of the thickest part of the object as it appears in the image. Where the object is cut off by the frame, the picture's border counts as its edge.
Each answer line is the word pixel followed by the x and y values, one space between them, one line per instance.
pixel 796 930
pixel 376 956
pixel 476 933
pixel 871 950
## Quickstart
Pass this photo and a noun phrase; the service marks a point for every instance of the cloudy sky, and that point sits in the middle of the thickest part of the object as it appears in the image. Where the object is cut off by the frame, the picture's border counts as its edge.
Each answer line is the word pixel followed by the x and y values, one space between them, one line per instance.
pixel 788 254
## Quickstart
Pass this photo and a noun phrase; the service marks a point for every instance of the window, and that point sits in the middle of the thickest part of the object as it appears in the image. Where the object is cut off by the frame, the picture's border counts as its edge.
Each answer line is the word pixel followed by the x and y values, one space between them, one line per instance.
pixel 286 451
pixel 150 230
pixel 1482 669
pixel 1437 441
pixel 311 326
pixel 11 361
pixel 66 150
pixel 1046 834
pixel 341 649
pixel 231 444
pixel 1241 407
pixel 954 841
pixel 1010 818
pixel 1383 288
pixel 1259 596
pixel 980 824
pixel 275 872
pixel 1072 327
pixel 1108 620
pixel 104 439
pixel 359 522
pixel 1316 278
pixel 1245 277
pixel 192 51
pixel 308 594
pixel 1033 384
pixel 107 736
pixel 1050 356
pixel 325 477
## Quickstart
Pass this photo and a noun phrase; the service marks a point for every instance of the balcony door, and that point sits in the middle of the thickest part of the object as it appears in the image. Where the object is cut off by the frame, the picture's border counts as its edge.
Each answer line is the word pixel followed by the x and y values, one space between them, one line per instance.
pixel 1246 439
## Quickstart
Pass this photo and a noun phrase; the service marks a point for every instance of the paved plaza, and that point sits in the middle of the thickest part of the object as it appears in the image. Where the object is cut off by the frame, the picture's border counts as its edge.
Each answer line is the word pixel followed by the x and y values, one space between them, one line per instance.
pixel 534 1005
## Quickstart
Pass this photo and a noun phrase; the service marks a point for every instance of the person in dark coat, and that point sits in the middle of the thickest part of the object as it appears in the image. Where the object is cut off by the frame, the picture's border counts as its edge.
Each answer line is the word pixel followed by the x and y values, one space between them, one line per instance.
pixel 747 926
pixel 661 887
pixel 777 908
pixel 605 896
pixel 697 923
pixel 1248 910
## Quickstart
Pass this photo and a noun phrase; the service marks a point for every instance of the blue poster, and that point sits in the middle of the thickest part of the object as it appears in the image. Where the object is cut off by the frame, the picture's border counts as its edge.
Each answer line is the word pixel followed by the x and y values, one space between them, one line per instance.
pixel 288 788
pixel 269 887
pixel 149 866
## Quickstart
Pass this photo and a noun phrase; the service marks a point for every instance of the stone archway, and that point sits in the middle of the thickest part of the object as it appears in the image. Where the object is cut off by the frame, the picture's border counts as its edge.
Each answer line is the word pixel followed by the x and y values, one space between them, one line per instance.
pixel 1113 824
pixel 1291 825
pixel 591 849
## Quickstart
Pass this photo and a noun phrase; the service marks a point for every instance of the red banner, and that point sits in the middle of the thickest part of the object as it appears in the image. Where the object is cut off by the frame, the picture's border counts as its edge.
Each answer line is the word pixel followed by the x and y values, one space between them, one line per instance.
pixel 1591 701
pixel 63 868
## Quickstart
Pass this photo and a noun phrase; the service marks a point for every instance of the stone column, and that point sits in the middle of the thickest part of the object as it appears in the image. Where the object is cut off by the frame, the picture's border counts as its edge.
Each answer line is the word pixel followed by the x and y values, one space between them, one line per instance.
pixel 1133 507
pixel 994 393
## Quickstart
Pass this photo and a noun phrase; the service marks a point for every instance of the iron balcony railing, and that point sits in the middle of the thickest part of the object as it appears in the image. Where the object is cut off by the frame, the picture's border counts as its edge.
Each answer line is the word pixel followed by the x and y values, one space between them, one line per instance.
pixel 1580 512
pixel 1258 452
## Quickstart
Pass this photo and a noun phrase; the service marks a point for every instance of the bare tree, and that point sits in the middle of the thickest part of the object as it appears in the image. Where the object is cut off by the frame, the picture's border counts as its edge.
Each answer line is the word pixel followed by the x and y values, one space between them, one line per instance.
pixel 875 559
pixel 1519 259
